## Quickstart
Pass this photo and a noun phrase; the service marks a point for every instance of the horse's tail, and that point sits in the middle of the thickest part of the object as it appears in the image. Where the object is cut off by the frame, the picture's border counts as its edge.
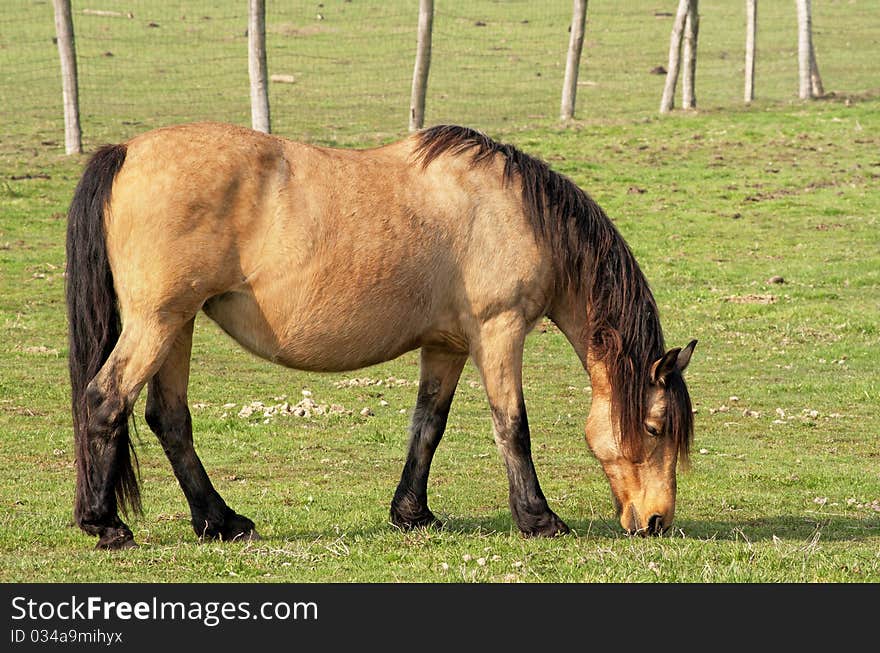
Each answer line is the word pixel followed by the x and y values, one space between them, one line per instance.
pixel 94 323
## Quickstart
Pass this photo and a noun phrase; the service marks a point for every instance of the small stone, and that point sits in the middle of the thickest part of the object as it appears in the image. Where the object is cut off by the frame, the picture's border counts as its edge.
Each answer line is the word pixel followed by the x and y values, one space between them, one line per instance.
pixel 704 451
pixel 366 412
pixel 245 412
pixel 775 279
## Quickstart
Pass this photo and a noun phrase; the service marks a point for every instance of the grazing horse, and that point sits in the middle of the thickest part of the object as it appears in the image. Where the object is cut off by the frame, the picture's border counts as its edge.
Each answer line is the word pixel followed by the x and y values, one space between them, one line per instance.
pixel 331 260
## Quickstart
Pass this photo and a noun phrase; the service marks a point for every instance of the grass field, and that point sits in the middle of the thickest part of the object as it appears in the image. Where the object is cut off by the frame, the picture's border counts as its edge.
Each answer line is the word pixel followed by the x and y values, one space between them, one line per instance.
pixel 785 484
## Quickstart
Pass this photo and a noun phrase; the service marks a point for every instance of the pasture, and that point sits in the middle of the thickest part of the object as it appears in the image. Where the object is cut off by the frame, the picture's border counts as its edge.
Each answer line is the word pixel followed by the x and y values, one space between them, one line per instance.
pixel 785 481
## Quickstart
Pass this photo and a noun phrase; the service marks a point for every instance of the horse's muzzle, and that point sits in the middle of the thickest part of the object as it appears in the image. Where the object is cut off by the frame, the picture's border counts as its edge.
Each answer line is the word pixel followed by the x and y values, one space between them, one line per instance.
pixel 655 525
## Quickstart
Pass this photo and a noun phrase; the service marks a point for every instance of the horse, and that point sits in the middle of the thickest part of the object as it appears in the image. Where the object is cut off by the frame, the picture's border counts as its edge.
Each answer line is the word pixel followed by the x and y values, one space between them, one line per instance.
pixel 331 260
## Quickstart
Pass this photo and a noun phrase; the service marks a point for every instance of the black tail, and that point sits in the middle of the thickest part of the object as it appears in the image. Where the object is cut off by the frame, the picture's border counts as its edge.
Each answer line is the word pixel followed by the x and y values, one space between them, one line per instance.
pixel 93 321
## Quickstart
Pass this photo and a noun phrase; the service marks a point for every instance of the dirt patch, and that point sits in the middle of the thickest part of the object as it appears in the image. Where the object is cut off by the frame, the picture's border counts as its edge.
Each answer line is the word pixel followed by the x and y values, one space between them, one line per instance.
pixel 771 195
pixel 41 350
pixel 289 29
pixel 751 299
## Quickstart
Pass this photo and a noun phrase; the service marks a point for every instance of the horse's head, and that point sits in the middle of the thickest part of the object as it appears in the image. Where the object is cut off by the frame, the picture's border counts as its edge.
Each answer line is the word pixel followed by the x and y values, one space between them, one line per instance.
pixel 641 466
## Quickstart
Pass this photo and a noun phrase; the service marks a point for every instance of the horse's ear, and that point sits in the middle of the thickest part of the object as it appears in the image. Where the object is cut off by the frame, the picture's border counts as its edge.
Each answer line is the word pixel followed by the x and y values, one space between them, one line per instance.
pixel 674 359
pixel 663 366
pixel 684 356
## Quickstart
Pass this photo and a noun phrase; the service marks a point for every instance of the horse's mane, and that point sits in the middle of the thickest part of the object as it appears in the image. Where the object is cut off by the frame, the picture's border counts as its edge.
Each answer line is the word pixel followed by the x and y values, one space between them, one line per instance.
pixel 622 327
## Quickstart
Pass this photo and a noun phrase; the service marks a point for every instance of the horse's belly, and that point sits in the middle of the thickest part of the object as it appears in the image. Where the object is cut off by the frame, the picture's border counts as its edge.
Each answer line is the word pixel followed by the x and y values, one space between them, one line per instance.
pixel 314 338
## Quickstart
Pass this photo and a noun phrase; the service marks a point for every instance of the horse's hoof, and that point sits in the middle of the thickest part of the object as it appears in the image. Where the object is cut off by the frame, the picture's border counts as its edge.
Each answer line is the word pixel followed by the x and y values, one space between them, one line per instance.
pixel 238 528
pixel 547 525
pixel 423 519
pixel 251 536
pixel 116 539
pixel 235 528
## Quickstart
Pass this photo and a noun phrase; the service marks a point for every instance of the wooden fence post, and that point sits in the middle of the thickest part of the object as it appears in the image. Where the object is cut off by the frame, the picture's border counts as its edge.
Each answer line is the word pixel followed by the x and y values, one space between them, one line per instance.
pixel 69 83
pixel 257 69
pixel 422 66
pixel 668 99
pixel 810 82
pixel 815 79
pixel 689 57
pixel 575 46
pixel 751 31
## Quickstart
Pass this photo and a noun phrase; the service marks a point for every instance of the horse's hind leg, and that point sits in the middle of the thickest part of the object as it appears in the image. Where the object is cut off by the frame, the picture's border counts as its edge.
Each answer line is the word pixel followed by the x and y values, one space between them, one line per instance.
pixel 105 473
pixel 498 356
pixel 439 375
pixel 168 416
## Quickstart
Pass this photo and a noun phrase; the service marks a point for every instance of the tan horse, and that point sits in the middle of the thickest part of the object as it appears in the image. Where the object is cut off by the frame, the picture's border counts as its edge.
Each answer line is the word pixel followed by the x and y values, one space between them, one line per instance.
pixel 331 260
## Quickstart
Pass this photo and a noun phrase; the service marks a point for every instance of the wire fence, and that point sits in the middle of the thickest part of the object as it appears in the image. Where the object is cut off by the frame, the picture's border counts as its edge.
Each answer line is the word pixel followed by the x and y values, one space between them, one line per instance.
pixel 341 70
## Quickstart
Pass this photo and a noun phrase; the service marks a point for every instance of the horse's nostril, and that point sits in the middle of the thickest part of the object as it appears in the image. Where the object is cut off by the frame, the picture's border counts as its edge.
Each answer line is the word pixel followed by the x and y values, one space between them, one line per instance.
pixel 655 524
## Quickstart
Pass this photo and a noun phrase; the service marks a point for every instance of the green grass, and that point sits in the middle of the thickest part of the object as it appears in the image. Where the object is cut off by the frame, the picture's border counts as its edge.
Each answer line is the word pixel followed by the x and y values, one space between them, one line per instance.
pixel 713 202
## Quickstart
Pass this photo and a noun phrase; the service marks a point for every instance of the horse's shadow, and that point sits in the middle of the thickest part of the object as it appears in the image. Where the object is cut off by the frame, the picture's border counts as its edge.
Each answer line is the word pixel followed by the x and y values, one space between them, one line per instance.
pixel 832 528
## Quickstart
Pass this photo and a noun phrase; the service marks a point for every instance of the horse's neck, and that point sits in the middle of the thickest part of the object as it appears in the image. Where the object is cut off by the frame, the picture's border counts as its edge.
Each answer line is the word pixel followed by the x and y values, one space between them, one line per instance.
pixel 569 313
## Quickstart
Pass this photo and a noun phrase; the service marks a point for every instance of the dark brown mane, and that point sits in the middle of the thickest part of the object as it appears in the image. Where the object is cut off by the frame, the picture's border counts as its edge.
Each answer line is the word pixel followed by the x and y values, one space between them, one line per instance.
pixel 623 328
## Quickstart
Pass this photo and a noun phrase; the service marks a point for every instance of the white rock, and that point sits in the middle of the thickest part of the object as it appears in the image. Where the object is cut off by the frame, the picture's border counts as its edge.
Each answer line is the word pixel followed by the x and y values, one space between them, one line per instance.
pixel 246 411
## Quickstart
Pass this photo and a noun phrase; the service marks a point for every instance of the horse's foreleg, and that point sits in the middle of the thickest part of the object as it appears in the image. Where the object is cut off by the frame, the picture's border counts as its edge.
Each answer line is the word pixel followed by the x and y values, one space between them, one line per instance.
pixel 440 371
pixel 498 355
pixel 168 416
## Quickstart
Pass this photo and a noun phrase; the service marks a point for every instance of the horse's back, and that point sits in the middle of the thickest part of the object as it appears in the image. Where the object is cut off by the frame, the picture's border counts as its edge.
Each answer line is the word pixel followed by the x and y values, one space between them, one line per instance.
pixel 317 258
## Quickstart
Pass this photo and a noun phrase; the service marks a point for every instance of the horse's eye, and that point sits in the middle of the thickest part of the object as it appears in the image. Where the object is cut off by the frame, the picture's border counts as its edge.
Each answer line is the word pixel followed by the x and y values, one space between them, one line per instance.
pixel 652 431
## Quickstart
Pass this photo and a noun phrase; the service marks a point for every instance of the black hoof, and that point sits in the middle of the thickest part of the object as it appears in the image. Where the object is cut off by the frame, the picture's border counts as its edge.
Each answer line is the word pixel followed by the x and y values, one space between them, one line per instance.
pixel 544 525
pixel 408 521
pixel 114 539
pixel 234 528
